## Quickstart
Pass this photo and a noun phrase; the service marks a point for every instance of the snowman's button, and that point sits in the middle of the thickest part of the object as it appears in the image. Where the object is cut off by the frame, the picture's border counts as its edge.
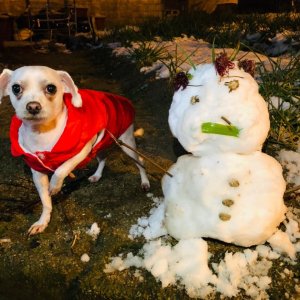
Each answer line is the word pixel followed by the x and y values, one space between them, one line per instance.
pixel 224 217
pixel 227 202
pixel 234 183
pixel 195 99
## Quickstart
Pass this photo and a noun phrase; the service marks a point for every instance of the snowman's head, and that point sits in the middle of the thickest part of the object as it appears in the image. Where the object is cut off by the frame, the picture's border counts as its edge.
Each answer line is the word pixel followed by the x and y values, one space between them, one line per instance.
pixel 215 113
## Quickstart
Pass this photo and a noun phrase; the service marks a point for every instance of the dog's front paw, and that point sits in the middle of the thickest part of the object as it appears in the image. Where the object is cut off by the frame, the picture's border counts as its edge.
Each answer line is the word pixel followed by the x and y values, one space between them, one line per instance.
pixel 37 227
pixel 94 178
pixel 55 185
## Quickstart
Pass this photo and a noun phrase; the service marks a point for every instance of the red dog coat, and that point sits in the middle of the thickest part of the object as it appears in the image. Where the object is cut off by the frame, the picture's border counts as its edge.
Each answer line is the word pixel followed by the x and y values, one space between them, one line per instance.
pixel 99 111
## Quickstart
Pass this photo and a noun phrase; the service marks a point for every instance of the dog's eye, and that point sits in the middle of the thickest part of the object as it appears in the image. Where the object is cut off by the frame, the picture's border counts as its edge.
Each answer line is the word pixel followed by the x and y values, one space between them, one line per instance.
pixel 51 89
pixel 16 89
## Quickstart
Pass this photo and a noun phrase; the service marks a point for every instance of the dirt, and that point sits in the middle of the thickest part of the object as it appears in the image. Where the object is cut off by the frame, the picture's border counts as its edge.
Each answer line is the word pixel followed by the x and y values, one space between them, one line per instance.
pixel 49 266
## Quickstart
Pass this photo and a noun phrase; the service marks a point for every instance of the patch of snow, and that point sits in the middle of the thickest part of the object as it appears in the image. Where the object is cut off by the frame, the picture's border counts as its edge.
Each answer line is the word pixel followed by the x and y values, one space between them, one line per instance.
pixel 236 272
pixel 186 264
pixel 85 258
pixel 290 160
pixel 93 231
pixel 279 103
pixel 198 51
pixel 150 227
pixel 281 243
pixel 108 216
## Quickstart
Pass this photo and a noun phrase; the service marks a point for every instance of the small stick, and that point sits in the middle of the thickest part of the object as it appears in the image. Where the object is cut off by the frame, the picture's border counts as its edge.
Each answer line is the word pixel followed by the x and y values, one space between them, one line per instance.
pixel 121 143
pixel 226 120
pixel 74 240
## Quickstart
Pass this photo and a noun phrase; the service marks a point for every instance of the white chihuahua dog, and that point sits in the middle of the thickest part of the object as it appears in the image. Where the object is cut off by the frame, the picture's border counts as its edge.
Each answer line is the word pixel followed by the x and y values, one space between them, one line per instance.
pixel 58 128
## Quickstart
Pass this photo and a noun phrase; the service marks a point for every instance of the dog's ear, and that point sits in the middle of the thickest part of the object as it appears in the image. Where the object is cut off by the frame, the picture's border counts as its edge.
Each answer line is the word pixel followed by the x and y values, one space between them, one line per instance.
pixel 70 86
pixel 4 80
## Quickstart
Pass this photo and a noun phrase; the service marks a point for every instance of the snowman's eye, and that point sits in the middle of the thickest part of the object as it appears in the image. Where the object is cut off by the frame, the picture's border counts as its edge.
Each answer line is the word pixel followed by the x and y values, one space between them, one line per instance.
pixel 232 85
pixel 195 99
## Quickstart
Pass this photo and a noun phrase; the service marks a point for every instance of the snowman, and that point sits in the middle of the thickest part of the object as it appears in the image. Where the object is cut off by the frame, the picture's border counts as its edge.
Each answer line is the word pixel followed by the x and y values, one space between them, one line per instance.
pixel 226 188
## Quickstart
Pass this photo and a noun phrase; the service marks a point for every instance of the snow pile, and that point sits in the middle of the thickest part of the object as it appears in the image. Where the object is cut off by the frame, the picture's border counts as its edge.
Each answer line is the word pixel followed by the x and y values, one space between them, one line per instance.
pixel 288 241
pixel 171 264
pixel 243 271
pixel 186 264
pixel 153 226
pixel 280 242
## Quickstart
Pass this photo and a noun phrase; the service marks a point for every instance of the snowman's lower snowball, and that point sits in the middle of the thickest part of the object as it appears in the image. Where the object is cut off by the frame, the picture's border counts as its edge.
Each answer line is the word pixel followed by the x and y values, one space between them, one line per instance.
pixel 230 197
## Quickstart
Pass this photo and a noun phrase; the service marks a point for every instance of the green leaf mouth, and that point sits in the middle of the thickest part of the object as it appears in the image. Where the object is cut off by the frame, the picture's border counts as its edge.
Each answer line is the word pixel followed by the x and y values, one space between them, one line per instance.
pixel 216 128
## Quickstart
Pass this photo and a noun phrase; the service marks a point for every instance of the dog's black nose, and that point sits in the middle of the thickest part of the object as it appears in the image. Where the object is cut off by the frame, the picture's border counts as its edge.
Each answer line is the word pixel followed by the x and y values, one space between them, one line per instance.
pixel 33 107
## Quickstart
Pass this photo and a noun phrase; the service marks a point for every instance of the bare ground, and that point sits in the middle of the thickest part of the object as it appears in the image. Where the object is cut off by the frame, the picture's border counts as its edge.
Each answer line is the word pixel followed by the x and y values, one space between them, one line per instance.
pixel 48 266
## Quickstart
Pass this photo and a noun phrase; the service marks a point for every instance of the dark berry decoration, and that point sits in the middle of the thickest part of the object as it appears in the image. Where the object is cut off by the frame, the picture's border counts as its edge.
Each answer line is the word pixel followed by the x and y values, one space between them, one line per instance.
pixel 181 80
pixel 248 66
pixel 223 64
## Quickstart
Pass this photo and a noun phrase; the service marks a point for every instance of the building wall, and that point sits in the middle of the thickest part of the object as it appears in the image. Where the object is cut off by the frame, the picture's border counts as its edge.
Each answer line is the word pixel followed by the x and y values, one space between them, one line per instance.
pixel 120 12
pixel 125 12
pixel 12 7
pixel 115 12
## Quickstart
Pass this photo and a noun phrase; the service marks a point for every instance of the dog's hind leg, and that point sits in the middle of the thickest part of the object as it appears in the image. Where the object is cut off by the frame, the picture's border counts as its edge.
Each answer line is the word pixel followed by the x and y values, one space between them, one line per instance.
pixel 98 174
pixel 128 138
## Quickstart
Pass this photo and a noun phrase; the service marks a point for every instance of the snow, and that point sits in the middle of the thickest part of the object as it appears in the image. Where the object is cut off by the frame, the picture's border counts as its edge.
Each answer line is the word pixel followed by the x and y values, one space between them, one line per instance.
pixel 192 205
pixel 291 162
pixel 243 107
pixel 279 103
pixel 257 202
pixel 198 50
pixel 152 227
pixel 85 258
pixel 238 272
pixel 280 242
pixel 186 264
pixel 292 227
pixel 93 231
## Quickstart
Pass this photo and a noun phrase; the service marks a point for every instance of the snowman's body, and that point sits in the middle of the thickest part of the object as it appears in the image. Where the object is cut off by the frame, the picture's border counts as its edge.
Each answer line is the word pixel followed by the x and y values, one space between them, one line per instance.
pixel 231 197
pixel 226 189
